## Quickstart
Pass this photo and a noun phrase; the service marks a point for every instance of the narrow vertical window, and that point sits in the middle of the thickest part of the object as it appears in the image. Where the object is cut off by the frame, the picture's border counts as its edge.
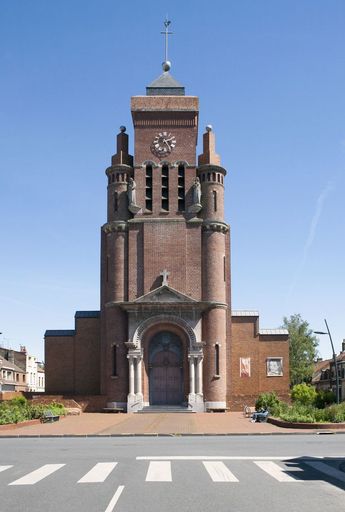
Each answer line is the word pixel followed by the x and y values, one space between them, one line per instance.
pixel 214 200
pixel 224 268
pixel 216 355
pixel 107 269
pixel 114 360
pixel 116 201
pixel 165 188
pixel 181 188
pixel 148 188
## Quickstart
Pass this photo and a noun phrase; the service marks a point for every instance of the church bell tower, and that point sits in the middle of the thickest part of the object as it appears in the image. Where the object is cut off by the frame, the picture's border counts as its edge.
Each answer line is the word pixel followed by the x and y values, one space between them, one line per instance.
pixel 165 278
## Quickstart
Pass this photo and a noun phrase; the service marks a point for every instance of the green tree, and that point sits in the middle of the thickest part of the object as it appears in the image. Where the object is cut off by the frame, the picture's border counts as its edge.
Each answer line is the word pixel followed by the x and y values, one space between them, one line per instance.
pixel 303 349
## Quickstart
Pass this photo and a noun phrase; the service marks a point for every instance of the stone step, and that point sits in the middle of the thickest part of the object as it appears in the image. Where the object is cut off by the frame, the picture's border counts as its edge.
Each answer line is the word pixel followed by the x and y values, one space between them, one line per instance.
pixel 164 409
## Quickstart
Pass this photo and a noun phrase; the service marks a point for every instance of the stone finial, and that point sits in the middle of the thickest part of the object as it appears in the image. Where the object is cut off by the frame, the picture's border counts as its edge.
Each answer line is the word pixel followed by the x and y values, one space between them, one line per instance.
pixel 122 156
pixel 165 275
pixel 209 155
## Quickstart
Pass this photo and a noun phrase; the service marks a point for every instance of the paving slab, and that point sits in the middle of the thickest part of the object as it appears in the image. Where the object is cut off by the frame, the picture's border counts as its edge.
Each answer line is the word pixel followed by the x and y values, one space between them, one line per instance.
pixel 100 424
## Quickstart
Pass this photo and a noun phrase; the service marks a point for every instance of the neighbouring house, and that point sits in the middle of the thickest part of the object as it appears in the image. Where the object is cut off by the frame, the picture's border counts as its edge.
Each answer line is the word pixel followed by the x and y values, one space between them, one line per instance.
pixel 324 374
pixel 12 378
pixel 28 373
pixel 40 382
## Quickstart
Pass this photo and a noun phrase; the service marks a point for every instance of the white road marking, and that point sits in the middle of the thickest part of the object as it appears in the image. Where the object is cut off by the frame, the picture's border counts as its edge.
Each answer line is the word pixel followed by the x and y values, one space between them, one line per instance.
pixel 3 468
pixel 328 470
pixel 159 472
pixel 272 469
pixel 115 499
pixel 225 457
pixel 98 473
pixel 37 475
pixel 219 472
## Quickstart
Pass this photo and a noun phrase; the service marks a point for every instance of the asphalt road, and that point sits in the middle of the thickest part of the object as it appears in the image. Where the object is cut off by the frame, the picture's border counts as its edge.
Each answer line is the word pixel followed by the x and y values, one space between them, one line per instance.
pixel 173 474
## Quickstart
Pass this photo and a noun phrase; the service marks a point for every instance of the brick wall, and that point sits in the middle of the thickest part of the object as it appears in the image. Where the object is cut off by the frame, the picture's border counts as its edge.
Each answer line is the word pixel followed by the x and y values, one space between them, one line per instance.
pixel 72 363
pixel 247 343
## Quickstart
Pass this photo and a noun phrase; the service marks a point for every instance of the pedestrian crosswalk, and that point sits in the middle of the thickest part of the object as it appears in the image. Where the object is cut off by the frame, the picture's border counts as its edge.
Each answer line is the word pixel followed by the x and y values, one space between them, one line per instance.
pixel 37 475
pixel 275 471
pixel 160 471
pixel 98 473
pixel 219 472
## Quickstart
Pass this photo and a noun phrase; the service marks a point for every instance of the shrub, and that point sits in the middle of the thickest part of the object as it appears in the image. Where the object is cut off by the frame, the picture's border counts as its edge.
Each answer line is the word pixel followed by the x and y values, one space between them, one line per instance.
pixel 19 400
pixel 20 410
pixel 268 401
pixel 303 394
pixel 324 398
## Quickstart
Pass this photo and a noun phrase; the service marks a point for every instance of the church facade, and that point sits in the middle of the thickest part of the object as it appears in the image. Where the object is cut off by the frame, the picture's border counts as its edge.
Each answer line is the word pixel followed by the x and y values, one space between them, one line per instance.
pixel 165 333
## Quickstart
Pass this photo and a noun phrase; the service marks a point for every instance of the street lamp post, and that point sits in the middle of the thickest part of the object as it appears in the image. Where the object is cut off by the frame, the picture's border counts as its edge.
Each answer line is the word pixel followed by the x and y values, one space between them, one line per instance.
pixel 334 359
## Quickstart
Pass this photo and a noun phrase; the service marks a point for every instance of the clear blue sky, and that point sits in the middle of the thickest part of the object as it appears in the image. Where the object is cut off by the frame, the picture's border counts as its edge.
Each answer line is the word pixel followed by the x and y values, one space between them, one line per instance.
pixel 271 79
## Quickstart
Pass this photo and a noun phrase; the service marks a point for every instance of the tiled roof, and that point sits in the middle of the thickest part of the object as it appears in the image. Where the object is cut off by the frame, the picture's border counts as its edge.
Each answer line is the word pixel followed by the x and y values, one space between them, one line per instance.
pixel 59 332
pixel 275 332
pixel 245 313
pixel 7 365
pixel 87 314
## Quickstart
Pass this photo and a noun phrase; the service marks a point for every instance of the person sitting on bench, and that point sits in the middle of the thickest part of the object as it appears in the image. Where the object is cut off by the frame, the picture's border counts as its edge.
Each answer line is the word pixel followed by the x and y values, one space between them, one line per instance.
pixel 259 416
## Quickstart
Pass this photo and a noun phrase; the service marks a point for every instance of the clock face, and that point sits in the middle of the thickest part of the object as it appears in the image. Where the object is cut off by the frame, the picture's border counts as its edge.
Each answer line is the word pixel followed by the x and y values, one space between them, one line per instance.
pixel 163 144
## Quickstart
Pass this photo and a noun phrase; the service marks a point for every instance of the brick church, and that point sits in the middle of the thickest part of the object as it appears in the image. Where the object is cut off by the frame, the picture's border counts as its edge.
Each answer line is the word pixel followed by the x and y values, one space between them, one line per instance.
pixel 165 334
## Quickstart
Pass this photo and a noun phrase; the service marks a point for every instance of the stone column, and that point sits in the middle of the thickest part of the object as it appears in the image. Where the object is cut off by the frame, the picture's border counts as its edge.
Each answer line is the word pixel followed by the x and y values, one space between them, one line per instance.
pixel 138 388
pixel 191 375
pixel 131 375
pixel 199 387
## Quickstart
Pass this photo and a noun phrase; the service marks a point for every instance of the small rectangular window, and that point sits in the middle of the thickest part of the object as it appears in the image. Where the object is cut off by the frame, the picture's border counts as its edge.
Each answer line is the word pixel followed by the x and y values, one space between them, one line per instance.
pixel 116 201
pixel 114 360
pixel 216 353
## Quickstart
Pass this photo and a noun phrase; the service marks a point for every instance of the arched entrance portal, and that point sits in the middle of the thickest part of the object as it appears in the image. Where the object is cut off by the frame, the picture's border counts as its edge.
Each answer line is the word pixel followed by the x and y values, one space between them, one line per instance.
pixel 165 369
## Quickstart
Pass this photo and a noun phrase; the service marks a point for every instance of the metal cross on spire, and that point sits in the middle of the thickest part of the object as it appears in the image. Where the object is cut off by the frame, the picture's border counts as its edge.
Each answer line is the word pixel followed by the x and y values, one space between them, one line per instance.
pixel 166 63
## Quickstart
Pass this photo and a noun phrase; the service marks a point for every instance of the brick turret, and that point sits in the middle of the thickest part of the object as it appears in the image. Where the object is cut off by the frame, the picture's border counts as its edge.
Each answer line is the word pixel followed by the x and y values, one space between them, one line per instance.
pixel 214 272
pixel 114 269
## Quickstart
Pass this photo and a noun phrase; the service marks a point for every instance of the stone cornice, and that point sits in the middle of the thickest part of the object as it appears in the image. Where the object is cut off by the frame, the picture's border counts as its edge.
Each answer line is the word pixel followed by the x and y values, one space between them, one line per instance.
pixel 215 225
pixel 118 167
pixel 167 306
pixel 115 225
pixel 155 219
pixel 210 168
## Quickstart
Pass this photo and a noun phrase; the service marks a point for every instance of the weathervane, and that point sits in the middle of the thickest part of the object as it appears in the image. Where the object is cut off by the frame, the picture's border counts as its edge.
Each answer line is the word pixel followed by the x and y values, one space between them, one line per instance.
pixel 166 63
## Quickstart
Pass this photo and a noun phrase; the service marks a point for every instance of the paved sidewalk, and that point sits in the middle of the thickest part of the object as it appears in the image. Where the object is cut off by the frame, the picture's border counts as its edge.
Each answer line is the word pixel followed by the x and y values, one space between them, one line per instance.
pixel 150 424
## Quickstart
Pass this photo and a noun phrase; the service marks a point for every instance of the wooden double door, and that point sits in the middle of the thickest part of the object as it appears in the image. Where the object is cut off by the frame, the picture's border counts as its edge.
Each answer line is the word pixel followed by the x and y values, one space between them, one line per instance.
pixel 166 369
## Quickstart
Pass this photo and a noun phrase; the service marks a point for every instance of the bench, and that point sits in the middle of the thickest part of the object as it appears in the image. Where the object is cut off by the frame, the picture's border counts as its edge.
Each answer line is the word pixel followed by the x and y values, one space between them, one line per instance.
pixel 217 409
pixel 49 417
pixel 113 409
pixel 260 416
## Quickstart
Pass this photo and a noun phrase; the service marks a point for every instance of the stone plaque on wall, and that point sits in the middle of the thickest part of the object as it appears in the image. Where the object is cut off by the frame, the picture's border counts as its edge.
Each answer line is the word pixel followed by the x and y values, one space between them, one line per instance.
pixel 274 366
pixel 244 366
